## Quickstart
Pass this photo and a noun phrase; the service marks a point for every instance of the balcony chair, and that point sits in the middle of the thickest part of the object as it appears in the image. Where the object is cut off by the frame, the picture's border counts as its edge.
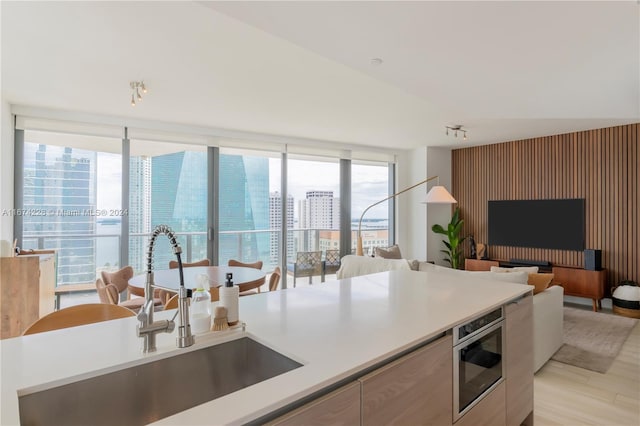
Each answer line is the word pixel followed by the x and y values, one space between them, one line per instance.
pixel 308 264
pixel 73 316
pixel 120 280
pixel 331 263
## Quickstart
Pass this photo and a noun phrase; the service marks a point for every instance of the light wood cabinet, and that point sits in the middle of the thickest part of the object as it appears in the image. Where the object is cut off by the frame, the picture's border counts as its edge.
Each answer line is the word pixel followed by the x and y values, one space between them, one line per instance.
pixel 340 407
pixel 490 411
pixel 519 360
pixel 413 390
pixel 27 285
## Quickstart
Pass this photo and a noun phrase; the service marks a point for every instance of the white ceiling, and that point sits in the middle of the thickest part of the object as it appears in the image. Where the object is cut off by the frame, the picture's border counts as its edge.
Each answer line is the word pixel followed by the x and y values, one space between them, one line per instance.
pixel 505 70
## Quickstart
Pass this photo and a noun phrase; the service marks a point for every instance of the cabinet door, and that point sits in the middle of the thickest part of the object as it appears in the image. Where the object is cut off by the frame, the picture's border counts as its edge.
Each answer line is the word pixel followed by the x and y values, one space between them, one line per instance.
pixel 413 390
pixel 47 284
pixel 519 360
pixel 340 407
pixel 488 412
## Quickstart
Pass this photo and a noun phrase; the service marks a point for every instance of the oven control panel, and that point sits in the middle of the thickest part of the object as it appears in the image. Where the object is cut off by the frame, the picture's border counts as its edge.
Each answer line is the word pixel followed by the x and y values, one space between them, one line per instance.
pixel 479 323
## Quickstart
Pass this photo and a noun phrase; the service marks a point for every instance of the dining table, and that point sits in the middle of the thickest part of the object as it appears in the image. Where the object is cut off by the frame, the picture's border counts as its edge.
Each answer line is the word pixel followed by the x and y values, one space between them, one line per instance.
pixel 169 279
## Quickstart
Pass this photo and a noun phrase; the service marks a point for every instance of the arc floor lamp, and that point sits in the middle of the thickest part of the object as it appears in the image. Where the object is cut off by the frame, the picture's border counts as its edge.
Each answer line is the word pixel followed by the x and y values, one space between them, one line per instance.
pixel 436 195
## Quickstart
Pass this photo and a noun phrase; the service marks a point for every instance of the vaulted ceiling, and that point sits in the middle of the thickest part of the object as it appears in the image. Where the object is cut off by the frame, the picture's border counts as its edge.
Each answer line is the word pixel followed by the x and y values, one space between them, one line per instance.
pixel 504 70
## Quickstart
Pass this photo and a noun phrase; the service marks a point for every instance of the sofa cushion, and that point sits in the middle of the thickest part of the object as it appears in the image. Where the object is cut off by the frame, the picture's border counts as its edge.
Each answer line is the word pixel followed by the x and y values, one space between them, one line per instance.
pixel 353 266
pixel 528 269
pixel 540 282
pixel 392 252
pixel 520 277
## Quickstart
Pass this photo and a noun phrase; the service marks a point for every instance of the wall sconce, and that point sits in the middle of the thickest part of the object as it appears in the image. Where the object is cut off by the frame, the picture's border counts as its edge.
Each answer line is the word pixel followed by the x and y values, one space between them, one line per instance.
pixel 455 128
pixel 136 88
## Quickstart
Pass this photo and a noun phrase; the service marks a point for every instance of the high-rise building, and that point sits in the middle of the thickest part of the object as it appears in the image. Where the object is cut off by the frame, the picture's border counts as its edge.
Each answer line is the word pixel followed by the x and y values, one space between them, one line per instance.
pixel 139 210
pixel 244 206
pixel 275 222
pixel 179 199
pixel 319 211
pixel 60 182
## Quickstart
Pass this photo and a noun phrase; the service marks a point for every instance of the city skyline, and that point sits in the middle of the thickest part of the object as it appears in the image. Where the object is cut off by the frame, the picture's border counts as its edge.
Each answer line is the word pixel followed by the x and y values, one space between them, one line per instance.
pixel 371 182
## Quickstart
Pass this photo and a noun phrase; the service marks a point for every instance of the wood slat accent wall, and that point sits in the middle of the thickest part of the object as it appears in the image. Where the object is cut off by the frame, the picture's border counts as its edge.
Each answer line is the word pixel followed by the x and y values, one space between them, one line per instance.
pixel 600 166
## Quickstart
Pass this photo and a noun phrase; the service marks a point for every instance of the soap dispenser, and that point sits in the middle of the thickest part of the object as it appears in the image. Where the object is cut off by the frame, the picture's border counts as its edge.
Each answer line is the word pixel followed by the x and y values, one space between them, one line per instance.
pixel 200 314
pixel 229 295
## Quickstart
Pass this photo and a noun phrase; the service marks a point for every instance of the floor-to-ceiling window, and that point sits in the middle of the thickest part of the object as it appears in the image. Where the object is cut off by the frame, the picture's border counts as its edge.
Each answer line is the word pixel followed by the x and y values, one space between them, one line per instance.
pixel 370 184
pixel 314 186
pixel 72 201
pixel 250 214
pixel 79 181
pixel 168 186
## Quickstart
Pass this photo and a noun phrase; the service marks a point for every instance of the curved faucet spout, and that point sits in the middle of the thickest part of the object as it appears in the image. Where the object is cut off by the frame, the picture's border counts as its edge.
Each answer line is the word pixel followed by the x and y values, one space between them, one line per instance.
pixel 147 328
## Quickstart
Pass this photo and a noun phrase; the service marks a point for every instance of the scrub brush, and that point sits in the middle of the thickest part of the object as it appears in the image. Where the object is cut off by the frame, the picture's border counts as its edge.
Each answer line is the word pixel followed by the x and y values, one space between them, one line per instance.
pixel 220 319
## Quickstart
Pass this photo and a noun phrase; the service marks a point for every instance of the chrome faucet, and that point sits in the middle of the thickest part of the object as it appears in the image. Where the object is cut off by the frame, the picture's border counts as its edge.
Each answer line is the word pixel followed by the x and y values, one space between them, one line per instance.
pixel 147 328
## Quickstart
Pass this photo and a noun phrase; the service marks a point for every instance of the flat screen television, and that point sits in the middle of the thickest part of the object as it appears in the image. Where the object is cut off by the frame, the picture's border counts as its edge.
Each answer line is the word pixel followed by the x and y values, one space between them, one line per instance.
pixel 550 224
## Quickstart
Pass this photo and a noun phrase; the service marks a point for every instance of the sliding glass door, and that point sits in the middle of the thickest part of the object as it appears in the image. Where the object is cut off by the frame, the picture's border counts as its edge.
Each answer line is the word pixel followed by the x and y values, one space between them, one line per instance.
pixel 72 202
pixel 167 185
pixel 370 184
pixel 249 216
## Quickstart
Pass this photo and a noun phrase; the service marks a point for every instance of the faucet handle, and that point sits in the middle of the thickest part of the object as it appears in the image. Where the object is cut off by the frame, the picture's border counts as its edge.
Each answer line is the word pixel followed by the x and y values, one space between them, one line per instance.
pixel 142 315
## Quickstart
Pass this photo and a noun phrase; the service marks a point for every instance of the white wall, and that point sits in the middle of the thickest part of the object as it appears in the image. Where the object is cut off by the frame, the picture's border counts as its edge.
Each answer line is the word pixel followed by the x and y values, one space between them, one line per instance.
pixel 411 214
pixel 438 164
pixel 414 219
pixel 6 178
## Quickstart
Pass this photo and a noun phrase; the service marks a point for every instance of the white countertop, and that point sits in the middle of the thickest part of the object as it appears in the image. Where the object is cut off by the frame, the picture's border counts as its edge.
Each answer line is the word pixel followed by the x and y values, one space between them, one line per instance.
pixel 334 329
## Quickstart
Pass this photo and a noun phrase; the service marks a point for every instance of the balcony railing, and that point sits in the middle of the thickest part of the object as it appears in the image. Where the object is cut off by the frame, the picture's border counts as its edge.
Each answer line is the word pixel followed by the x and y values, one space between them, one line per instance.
pixel 81 257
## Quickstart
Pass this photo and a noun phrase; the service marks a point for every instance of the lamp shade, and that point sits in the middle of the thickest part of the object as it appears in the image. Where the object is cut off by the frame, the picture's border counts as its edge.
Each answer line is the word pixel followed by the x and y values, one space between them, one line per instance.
pixel 439 195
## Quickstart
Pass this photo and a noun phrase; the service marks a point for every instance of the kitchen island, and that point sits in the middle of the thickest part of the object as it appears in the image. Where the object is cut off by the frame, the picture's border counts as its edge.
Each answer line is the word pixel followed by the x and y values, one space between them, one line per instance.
pixel 335 330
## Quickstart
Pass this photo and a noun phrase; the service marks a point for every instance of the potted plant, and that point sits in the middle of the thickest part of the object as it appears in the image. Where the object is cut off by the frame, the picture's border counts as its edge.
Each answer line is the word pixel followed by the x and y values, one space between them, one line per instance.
pixel 453 253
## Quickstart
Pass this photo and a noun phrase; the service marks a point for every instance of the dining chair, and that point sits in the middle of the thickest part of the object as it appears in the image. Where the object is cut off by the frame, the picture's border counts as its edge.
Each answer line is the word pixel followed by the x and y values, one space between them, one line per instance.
pixel 120 279
pixel 78 315
pixel 274 279
pixel 173 264
pixel 164 295
pixel 172 302
pixel 109 295
pixel 254 265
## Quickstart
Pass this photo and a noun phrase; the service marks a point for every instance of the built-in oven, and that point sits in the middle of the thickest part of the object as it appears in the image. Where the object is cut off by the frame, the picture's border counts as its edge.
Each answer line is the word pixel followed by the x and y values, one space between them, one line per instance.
pixel 478 367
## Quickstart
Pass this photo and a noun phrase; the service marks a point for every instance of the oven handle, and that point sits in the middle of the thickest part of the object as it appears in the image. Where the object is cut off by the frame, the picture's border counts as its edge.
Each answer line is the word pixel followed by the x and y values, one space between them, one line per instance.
pixel 457 340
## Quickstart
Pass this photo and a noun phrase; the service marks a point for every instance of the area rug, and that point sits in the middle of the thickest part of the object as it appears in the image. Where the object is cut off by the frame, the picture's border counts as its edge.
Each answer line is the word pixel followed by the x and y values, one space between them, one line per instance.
pixel 592 340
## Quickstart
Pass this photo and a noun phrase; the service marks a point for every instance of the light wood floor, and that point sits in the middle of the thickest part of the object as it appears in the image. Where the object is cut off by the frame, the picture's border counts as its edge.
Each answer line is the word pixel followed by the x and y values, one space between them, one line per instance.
pixel 568 395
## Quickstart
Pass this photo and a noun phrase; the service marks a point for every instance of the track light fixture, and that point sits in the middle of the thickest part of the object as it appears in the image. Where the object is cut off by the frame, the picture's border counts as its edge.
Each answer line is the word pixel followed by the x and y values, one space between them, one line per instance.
pixel 455 128
pixel 136 88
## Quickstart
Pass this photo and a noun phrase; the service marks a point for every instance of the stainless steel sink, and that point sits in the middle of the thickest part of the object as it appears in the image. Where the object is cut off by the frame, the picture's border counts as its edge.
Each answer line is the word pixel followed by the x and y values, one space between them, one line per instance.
pixel 148 392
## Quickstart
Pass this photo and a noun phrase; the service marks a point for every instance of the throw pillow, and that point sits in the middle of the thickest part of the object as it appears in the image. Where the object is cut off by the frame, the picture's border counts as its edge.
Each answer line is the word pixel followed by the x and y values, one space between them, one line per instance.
pixel 540 282
pixel 414 264
pixel 527 269
pixel 392 252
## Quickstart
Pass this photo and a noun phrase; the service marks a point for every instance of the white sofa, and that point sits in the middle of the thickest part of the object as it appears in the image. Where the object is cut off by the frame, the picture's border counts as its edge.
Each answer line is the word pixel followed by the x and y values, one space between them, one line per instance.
pixel 547 305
